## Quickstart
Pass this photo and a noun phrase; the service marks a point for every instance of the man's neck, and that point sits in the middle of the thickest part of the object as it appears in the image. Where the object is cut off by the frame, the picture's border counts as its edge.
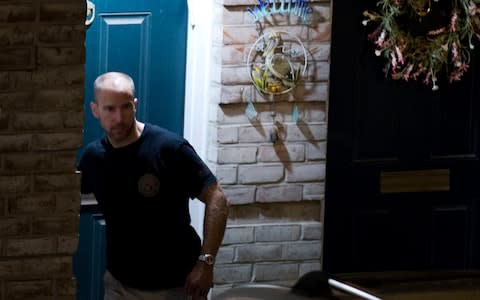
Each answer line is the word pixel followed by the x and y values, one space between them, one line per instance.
pixel 133 136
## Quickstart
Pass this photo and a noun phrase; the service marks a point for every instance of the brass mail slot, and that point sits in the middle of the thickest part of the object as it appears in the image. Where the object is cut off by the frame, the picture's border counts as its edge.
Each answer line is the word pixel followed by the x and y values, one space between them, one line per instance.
pixel 415 181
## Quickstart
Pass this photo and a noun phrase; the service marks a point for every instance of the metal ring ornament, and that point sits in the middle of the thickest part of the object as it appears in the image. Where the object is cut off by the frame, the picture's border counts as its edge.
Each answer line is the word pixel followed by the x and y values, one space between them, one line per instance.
pixel 90 17
pixel 276 62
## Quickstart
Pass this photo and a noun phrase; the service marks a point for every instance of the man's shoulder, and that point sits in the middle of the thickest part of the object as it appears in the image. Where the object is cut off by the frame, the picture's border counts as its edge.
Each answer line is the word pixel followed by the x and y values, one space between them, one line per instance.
pixel 162 135
pixel 93 149
pixel 95 146
pixel 92 154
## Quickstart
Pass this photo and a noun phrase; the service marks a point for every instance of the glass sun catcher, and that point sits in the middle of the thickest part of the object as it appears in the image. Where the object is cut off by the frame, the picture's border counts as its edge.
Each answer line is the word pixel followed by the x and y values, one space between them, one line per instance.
pixel 276 62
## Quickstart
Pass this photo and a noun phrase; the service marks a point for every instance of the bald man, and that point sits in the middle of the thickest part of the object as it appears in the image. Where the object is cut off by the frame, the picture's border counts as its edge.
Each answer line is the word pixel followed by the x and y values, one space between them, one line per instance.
pixel 142 176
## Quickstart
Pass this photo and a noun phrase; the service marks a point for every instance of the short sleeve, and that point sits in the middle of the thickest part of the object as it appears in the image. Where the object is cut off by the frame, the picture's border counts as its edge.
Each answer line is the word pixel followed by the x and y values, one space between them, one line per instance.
pixel 194 173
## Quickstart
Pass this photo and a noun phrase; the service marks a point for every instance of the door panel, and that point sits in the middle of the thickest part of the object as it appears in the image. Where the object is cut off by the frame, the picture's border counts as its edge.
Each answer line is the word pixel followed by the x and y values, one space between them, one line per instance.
pixel 450 225
pixel 427 219
pixel 89 262
pixel 132 56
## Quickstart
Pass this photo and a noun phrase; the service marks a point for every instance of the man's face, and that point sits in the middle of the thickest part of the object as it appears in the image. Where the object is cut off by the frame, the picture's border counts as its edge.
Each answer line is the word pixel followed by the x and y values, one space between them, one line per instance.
pixel 116 112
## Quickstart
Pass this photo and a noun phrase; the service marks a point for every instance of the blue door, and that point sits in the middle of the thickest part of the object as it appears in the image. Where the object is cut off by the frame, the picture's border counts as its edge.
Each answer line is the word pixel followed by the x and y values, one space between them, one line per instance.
pixel 146 39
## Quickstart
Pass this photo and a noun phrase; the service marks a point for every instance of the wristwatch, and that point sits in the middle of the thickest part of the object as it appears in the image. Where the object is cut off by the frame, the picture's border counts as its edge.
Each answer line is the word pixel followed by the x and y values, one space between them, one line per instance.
pixel 207 258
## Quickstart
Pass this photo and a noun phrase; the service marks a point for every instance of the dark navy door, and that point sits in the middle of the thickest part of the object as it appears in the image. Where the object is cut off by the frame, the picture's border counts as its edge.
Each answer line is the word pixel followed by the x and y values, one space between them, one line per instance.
pixel 146 39
pixel 403 161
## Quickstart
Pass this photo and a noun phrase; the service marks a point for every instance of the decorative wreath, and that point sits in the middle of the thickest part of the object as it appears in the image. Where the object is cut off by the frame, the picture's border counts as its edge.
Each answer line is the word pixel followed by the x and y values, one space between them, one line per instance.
pixel 443 50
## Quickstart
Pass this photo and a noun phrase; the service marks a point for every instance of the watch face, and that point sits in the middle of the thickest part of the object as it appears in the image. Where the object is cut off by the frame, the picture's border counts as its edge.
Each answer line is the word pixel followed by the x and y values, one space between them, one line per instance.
pixel 209 259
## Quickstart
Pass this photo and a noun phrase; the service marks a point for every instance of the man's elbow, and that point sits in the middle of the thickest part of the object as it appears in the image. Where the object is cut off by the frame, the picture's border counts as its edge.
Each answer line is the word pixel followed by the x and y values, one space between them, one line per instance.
pixel 220 202
pixel 225 204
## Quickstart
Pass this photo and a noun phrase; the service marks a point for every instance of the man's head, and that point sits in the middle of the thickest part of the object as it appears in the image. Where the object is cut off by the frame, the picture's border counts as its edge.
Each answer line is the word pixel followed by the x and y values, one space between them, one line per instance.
pixel 114 106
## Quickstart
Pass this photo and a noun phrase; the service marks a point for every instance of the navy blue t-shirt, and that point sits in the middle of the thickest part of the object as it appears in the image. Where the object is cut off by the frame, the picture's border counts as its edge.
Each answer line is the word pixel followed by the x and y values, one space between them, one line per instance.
pixel 143 191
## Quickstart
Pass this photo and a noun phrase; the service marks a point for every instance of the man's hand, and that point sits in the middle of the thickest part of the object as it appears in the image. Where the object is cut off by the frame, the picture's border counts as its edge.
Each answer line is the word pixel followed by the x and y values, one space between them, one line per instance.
pixel 199 281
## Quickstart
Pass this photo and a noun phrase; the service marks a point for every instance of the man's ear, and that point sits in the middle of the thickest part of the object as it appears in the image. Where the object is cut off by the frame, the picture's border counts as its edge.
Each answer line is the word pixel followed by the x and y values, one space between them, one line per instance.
pixel 94 108
pixel 135 103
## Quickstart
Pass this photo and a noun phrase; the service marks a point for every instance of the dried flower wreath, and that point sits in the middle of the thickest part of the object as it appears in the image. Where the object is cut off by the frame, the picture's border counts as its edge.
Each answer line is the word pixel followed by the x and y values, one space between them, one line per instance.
pixel 445 49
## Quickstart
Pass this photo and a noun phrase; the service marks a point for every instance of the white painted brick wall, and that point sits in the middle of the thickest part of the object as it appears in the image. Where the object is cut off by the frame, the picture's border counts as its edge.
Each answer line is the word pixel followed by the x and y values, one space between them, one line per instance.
pixel 314 191
pixel 283 153
pixel 312 132
pixel 317 151
pixel 227 135
pixel 271 252
pixel 239 235
pixel 306 172
pixel 225 255
pixel 239 155
pixel 279 193
pixel 303 250
pixel 233 273
pixel 318 71
pixel 233 16
pixel 258 252
pixel 260 174
pixel 235 93
pixel 226 174
pixel 276 272
pixel 233 114
pixel 312 231
pixel 233 54
pixel 253 134
pixel 319 51
pixel 274 233
pixel 235 75
pixel 278 233
pixel 239 194
pixel 243 34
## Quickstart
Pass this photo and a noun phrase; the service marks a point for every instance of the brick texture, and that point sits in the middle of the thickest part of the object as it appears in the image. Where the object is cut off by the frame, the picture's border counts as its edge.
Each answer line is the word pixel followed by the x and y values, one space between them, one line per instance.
pixel 41 117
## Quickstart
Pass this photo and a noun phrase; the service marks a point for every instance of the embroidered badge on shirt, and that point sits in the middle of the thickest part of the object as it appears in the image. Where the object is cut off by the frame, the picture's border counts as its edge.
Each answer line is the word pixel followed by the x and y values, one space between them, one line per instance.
pixel 148 185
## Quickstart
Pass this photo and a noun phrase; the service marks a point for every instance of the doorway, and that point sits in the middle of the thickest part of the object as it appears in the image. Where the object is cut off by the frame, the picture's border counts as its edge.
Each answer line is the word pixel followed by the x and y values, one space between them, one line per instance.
pixel 403 163
pixel 147 40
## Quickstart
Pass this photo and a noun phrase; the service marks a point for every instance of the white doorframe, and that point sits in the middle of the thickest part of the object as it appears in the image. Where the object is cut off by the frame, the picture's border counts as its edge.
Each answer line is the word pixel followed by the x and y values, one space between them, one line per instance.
pixel 197 81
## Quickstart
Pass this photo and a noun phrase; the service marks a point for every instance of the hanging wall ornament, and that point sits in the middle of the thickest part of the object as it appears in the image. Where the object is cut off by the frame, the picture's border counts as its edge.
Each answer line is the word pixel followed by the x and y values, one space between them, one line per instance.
pixel 268 8
pixel 276 62
pixel 444 49
pixel 295 113
pixel 251 112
